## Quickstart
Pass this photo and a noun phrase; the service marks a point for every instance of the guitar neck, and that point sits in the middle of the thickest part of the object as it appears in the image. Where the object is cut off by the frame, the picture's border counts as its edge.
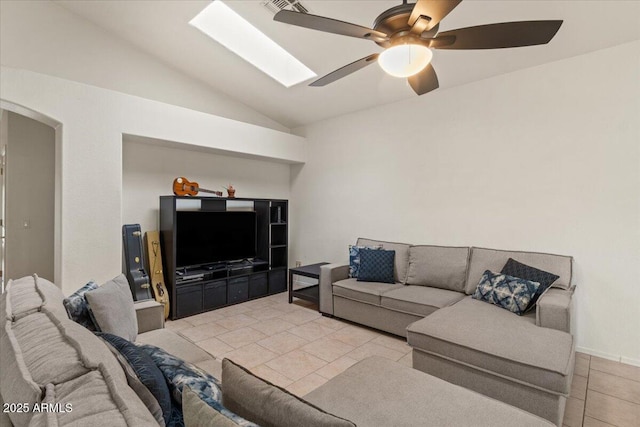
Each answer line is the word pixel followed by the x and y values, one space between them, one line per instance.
pixel 204 190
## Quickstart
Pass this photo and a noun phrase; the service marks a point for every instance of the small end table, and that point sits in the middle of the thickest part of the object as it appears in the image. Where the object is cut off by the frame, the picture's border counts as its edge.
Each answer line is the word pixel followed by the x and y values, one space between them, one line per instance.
pixel 308 293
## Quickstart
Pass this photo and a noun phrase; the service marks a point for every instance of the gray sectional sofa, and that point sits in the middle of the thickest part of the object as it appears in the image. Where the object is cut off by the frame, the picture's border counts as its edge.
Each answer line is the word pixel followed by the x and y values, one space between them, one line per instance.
pixel 526 361
pixel 46 357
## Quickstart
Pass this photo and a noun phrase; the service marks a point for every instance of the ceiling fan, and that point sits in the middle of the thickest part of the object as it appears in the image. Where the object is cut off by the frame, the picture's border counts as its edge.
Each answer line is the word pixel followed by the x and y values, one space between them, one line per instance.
pixel 408 32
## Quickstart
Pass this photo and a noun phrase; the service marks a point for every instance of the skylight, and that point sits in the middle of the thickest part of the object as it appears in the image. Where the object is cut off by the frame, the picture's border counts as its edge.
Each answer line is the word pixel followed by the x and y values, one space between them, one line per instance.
pixel 225 26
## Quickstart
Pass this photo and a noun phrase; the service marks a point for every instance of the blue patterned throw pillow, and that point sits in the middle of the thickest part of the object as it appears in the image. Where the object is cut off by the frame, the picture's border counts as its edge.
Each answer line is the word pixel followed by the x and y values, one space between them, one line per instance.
pixel 78 308
pixel 508 292
pixel 354 259
pixel 524 271
pixel 180 374
pixel 146 371
pixel 376 266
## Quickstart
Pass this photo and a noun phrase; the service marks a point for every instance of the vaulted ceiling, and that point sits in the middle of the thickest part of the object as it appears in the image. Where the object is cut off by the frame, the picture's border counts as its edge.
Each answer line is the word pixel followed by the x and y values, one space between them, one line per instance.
pixel 161 29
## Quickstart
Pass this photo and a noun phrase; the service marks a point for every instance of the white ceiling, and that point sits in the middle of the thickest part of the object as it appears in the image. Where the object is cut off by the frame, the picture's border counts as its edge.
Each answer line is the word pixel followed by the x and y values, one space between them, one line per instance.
pixel 161 29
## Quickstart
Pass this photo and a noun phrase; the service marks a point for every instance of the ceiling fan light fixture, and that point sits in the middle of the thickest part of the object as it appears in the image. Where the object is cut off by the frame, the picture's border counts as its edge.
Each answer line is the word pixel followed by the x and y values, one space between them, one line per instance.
pixel 405 60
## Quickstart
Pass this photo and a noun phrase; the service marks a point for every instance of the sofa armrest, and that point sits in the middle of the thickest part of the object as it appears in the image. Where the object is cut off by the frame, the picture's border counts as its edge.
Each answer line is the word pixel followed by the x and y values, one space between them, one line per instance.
pixel 329 274
pixel 554 309
pixel 150 315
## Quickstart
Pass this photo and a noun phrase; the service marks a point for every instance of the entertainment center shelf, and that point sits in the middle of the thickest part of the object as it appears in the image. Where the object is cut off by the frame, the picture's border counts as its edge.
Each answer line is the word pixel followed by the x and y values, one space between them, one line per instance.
pixel 208 286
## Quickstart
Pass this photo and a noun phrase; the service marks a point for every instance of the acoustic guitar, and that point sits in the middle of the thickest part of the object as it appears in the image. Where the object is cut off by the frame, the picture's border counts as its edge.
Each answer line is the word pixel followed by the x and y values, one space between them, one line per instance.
pixel 183 187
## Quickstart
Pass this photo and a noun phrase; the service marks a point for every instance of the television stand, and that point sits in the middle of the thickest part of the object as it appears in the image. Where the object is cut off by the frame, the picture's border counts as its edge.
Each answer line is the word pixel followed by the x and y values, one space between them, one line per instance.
pixel 220 284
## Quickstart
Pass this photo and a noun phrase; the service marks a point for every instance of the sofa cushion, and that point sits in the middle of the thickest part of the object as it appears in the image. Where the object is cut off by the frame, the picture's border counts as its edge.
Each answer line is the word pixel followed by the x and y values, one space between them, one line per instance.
pixel 511 293
pixel 175 344
pixel 523 271
pixel 363 291
pixel 379 392
pixel 78 308
pixel 376 266
pixel 492 259
pixel 402 255
pixel 477 334
pixel 112 308
pixel 438 266
pixel 198 414
pixel 91 400
pixel 420 300
pixel 354 259
pixel 269 405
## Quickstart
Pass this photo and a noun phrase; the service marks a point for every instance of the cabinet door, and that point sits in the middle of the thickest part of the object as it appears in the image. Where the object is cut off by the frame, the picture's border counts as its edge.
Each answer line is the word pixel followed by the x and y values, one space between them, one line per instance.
pixel 215 294
pixel 188 300
pixel 238 290
pixel 258 285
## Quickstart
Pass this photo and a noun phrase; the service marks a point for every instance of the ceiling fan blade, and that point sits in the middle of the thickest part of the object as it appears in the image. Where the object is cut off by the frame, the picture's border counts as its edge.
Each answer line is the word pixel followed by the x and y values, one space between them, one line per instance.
pixel 496 36
pixel 434 9
pixel 345 71
pixel 329 25
pixel 425 81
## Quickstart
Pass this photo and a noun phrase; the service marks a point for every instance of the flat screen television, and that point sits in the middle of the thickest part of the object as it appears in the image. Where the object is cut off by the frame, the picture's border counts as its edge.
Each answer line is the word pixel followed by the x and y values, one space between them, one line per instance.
pixel 204 237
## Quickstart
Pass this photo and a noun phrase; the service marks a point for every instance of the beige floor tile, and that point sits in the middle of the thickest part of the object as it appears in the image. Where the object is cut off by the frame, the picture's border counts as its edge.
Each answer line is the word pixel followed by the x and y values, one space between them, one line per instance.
pixel 241 337
pixel 178 325
pixel 251 356
pixel 615 386
pixel 296 364
pixel 583 355
pixel 328 322
pixel 354 335
pixel 612 410
pixel 372 349
pixel 282 343
pixel 573 412
pixel 306 384
pixel 214 346
pixel 232 310
pixel 579 387
pixel 202 332
pixel 336 367
pixel 201 319
pixel 327 349
pixel 266 373
pixel 592 422
pixel 311 331
pixel 406 360
pixel 266 313
pixel 392 342
pixel 300 317
pixel 237 321
pixel 582 367
pixel 615 368
pixel 272 326
pixel 257 304
pixel 285 307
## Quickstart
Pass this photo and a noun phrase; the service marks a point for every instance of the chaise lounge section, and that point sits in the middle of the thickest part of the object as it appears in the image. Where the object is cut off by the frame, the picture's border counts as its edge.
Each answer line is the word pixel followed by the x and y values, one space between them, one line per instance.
pixel 526 361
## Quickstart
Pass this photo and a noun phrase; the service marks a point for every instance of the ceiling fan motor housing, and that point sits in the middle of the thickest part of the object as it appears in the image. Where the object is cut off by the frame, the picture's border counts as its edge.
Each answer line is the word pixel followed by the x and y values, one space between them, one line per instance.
pixel 395 23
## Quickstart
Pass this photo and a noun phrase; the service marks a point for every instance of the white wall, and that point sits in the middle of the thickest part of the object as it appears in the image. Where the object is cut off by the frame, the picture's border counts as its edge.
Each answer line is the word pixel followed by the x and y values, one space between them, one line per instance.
pixel 44 37
pixel 543 159
pixel 148 171
pixel 90 187
pixel 30 177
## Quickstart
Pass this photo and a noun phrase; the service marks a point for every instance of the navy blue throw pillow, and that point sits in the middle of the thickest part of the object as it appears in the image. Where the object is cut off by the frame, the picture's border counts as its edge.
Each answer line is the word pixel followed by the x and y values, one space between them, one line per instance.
pixel 376 265
pixel 146 371
pixel 526 272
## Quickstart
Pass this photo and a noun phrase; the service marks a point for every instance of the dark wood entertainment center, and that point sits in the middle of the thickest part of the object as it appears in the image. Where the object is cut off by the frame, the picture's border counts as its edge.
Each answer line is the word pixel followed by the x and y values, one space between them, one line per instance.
pixel 197 290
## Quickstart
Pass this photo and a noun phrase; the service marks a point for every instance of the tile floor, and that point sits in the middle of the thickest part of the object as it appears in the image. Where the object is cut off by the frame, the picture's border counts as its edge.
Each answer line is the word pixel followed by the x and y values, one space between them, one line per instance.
pixel 295 347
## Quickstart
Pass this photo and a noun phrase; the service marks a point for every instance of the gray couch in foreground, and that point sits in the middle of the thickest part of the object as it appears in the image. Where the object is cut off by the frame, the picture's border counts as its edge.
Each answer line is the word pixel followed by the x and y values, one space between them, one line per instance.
pixel 526 361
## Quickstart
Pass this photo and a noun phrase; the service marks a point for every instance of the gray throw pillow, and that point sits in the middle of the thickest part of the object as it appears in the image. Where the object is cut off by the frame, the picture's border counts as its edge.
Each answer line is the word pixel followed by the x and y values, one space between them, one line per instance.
pixel 268 405
pixel 198 413
pixel 112 308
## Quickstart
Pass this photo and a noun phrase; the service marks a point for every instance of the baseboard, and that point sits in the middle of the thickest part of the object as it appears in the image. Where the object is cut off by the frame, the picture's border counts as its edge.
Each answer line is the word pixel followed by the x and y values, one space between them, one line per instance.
pixel 609 356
